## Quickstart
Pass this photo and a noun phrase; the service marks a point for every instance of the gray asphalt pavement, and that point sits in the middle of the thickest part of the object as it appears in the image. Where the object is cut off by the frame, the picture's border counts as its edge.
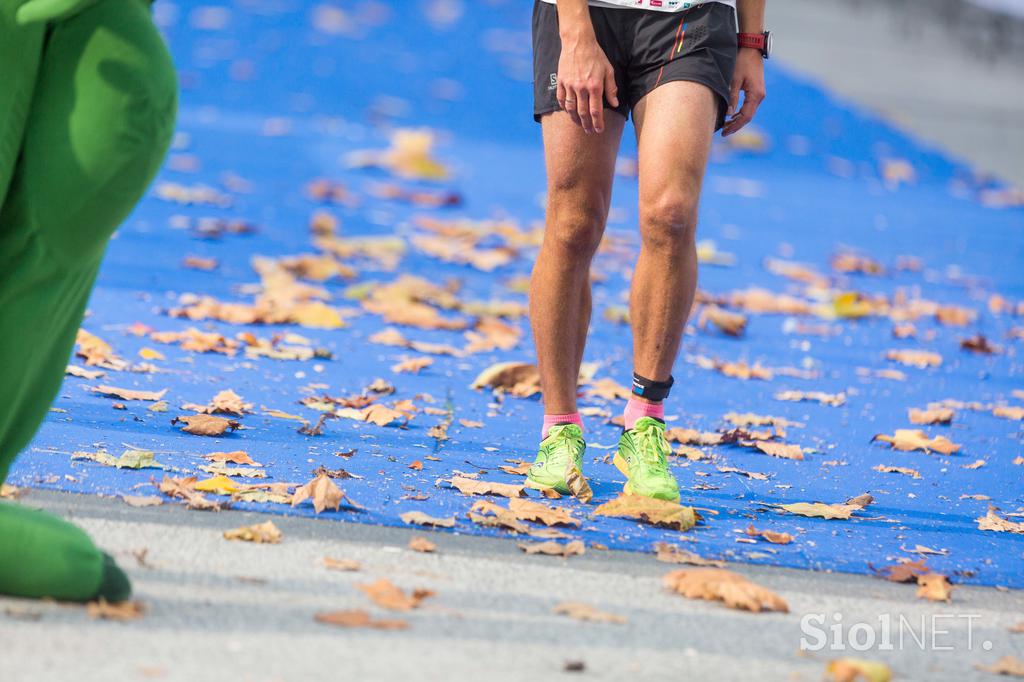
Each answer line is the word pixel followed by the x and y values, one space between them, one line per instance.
pixel 221 610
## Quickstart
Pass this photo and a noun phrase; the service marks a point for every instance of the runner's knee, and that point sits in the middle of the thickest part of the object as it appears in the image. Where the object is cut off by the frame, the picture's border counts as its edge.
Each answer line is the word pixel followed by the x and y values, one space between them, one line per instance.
pixel 669 221
pixel 575 223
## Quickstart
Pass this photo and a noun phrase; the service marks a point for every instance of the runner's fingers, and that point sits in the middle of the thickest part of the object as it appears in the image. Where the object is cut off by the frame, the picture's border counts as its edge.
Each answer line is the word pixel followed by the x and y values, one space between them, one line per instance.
pixel 560 95
pixel 596 96
pixel 735 123
pixel 583 110
pixel 734 99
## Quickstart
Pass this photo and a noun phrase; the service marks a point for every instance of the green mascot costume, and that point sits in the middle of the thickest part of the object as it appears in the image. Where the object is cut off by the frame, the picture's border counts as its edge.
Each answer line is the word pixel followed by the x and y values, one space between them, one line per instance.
pixel 88 97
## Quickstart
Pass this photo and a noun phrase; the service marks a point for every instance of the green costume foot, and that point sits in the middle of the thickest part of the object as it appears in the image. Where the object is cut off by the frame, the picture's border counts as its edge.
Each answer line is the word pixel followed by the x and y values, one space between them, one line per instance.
pixel 559 463
pixel 87 106
pixel 44 556
pixel 643 457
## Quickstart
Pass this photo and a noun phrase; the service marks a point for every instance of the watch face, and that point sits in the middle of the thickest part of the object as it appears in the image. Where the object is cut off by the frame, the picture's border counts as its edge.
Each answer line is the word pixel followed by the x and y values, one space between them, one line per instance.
pixel 767 43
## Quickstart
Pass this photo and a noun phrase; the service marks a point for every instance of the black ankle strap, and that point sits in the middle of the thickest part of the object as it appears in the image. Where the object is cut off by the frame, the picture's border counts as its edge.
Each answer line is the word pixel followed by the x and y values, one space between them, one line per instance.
pixel 650 389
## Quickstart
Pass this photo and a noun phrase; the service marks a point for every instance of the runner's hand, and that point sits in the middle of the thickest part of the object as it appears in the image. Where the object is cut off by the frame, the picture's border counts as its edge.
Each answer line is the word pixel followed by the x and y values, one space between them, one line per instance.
pixel 585 80
pixel 748 77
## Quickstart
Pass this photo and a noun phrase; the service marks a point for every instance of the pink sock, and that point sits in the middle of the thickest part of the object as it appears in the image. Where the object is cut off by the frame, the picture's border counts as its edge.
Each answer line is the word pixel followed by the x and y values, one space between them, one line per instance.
pixel 638 408
pixel 556 419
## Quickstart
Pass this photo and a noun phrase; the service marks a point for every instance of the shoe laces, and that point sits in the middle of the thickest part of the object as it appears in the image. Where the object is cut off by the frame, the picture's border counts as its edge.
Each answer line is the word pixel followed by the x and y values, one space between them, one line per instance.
pixel 652 446
pixel 564 447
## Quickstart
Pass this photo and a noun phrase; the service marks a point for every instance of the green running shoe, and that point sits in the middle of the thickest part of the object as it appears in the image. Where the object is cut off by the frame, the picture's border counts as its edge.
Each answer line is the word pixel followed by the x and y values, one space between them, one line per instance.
pixel 642 457
pixel 559 463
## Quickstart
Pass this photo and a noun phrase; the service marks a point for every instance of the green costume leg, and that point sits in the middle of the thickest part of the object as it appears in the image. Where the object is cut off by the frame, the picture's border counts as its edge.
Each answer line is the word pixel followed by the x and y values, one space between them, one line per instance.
pixel 83 131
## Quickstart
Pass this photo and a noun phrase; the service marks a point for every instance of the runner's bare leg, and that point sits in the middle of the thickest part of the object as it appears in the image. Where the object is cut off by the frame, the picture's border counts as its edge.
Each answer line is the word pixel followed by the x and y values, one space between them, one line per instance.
pixel 580 169
pixel 674 124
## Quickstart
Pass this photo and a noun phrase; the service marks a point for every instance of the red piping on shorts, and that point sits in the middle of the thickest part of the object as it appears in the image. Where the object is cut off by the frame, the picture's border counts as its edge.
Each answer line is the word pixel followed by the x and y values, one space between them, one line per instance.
pixel 676 44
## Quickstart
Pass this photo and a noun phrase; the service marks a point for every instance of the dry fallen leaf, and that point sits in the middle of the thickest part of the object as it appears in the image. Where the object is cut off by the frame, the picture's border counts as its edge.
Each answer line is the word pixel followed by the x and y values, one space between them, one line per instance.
pixel 143 500
pixel 356 618
pixel 934 587
pixel 912 439
pixel 783 450
pixel 913 473
pixel 933 415
pixel 125 610
pixel 323 492
pixel 902 572
pixel 234 457
pixel 992 521
pixel 771 536
pixel 386 594
pixel 205 425
pixel 819 509
pixel 649 510
pixel 128 394
pixel 567 550
pixel 585 612
pixel 413 365
pixel 341 564
pixel 857 670
pixel 1007 665
pixel 469 486
pixel 831 399
pixel 421 544
pixel 915 358
pixel 421 519
pixel 732 589
pixel 729 323
pixel 527 510
pixel 671 554
pixel 260 533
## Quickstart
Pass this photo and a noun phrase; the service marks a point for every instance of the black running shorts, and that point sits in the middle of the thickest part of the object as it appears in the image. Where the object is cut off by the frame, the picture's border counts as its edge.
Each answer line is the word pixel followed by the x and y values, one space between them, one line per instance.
pixel 646 48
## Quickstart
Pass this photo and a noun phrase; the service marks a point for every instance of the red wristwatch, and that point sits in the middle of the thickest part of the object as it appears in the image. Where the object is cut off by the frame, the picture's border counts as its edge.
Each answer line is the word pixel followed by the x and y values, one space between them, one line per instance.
pixel 758 41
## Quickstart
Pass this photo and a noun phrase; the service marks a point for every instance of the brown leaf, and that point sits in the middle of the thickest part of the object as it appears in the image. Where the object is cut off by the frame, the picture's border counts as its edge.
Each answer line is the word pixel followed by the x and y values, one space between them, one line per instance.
pixel 934 587
pixel 732 324
pixel 671 554
pixel 585 612
pixel 385 594
pixel 234 457
pixel 757 476
pixel 468 486
pixel 771 536
pixel 819 509
pixel 143 500
pixel 128 394
pixel 554 548
pixel 356 618
pixel 913 473
pixel 413 365
pixel 933 415
pixel 857 670
pixel 421 544
pixel 333 564
pixel 205 425
pixel 902 572
pixel 915 358
pixel 416 465
pixel 578 486
pixel 655 512
pixel 521 379
pixel 732 589
pixel 978 344
pixel 470 424
pixel 993 521
pixel 260 533
pixel 125 610
pixel 527 510
pixel 912 439
pixel 609 389
pixel 831 399
pixel 1007 665
pixel 421 519
pixel 323 491
pixel 783 450
pixel 229 402
pixel 1009 412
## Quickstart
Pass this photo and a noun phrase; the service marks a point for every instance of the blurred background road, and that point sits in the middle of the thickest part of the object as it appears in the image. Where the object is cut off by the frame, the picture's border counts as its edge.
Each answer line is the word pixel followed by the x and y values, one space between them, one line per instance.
pixel 950 72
